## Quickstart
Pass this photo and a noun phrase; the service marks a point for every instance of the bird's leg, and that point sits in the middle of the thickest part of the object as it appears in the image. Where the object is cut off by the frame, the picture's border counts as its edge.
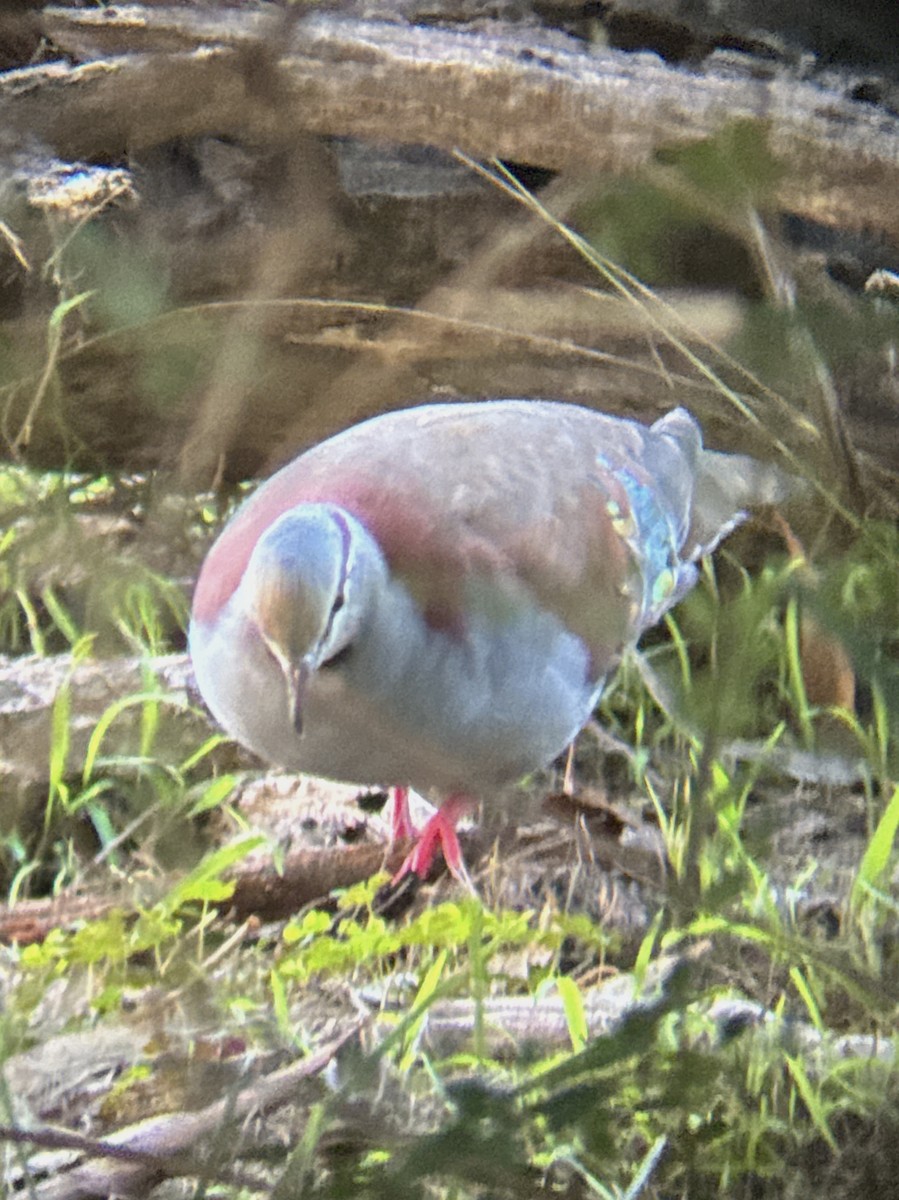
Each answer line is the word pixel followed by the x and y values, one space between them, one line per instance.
pixel 401 823
pixel 439 831
pixel 568 777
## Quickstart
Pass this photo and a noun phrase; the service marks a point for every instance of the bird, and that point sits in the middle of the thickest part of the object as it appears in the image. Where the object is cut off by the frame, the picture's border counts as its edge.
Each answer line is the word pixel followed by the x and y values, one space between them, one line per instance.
pixel 435 597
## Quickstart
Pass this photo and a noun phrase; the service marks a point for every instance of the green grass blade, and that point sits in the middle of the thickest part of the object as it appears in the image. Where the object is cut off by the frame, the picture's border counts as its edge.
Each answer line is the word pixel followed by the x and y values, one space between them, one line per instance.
pixel 876 858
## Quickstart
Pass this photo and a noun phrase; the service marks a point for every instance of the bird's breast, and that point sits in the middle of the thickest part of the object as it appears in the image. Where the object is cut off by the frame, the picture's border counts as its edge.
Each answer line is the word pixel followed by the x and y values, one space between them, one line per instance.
pixel 454 708
pixel 410 701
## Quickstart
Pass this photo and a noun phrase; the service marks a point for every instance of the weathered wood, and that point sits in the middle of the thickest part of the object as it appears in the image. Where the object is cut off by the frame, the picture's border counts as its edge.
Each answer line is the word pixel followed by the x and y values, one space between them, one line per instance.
pixel 30 687
pixel 132 1160
pixel 559 106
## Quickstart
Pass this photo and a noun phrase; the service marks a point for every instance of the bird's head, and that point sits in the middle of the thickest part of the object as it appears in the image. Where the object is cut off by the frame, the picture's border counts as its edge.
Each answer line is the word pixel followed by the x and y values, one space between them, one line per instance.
pixel 306 589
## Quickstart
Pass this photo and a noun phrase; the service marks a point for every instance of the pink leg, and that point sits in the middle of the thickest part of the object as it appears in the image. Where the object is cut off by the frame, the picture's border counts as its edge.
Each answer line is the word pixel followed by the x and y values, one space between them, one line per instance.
pixel 401 824
pixel 439 831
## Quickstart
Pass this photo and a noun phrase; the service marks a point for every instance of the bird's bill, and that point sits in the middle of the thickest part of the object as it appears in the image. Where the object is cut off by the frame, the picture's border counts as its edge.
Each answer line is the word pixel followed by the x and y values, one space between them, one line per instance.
pixel 297 675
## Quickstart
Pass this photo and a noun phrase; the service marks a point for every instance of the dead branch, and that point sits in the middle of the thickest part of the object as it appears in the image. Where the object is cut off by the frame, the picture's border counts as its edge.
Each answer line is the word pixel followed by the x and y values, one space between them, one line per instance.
pixel 30 687
pixel 171 1145
pixel 557 105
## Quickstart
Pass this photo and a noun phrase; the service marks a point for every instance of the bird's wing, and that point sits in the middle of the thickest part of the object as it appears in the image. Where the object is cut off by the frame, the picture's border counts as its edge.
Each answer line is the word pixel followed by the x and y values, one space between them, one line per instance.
pixel 582 512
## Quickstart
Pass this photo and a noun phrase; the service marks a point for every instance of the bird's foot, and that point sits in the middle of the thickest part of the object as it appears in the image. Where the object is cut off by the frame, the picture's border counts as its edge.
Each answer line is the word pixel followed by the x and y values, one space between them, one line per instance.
pixel 401 824
pixel 439 832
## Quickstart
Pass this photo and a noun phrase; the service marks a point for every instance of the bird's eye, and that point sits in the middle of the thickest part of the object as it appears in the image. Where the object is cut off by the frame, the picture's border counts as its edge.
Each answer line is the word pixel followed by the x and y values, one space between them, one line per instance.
pixel 336 659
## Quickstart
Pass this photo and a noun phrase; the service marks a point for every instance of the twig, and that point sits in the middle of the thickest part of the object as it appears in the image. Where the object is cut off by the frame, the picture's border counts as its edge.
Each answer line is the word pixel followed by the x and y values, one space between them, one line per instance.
pixel 140 1155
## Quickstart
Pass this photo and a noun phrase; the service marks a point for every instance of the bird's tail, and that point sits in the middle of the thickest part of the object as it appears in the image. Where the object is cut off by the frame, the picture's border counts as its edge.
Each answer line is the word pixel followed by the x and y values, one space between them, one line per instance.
pixel 727 486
